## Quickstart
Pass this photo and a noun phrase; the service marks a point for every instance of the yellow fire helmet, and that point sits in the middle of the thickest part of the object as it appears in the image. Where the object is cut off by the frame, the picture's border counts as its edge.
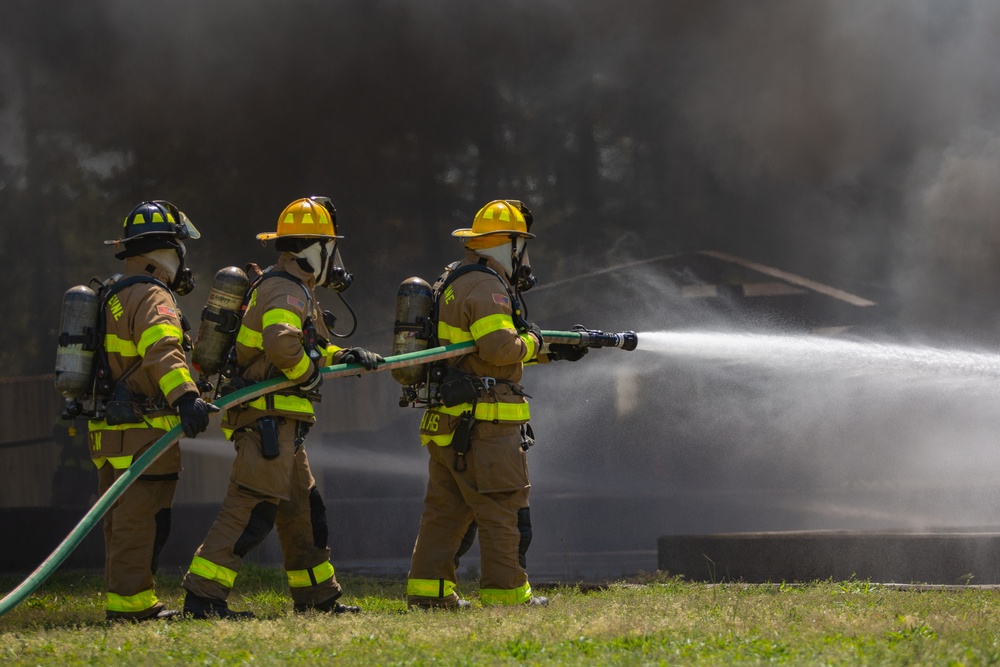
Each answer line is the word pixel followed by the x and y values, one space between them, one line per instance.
pixel 496 223
pixel 310 217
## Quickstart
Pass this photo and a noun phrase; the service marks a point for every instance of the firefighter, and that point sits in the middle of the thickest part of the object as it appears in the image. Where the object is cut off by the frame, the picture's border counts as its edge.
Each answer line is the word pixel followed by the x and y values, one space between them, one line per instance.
pixel 144 346
pixel 487 485
pixel 283 334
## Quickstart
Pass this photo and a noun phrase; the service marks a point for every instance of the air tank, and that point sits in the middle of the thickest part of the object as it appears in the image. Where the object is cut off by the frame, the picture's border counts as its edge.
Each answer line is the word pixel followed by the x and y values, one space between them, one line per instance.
pixel 220 319
pixel 77 342
pixel 412 330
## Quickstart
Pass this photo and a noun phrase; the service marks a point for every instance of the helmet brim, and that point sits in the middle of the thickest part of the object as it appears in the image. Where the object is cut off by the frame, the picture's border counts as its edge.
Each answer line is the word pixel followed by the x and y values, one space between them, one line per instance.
pixel 268 236
pixel 467 233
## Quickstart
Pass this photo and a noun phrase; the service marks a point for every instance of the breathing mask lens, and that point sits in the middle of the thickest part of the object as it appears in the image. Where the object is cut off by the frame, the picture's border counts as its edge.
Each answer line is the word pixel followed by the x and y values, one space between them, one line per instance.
pixel 521 278
pixel 337 277
pixel 184 280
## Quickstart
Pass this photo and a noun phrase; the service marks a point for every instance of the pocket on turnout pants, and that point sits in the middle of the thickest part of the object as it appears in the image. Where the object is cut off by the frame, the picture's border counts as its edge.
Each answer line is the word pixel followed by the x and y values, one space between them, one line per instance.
pixel 499 462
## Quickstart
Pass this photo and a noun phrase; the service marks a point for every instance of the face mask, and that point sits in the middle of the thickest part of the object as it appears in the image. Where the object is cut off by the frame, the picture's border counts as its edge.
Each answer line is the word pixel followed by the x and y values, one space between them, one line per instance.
pixel 337 277
pixel 521 277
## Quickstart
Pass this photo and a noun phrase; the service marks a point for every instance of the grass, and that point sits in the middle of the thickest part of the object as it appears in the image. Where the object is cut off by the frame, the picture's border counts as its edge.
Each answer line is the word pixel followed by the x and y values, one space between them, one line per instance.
pixel 654 620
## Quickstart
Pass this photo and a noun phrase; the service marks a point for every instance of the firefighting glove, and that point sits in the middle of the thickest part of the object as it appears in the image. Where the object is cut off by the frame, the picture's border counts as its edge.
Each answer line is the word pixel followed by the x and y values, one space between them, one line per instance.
pixel 359 355
pixel 563 352
pixel 313 382
pixel 194 412
pixel 536 331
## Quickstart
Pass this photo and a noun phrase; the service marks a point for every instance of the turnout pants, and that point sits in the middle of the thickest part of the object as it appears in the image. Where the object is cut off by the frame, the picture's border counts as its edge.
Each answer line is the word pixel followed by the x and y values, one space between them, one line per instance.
pixel 138 524
pixel 493 492
pixel 263 494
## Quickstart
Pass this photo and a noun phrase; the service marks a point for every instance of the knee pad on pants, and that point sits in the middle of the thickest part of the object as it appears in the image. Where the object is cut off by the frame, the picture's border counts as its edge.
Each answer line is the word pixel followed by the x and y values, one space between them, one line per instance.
pixel 523 527
pixel 317 515
pixel 467 540
pixel 258 526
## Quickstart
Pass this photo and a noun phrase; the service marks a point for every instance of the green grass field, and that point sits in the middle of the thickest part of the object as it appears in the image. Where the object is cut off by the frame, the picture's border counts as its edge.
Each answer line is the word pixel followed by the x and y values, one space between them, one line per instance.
pixel 654 620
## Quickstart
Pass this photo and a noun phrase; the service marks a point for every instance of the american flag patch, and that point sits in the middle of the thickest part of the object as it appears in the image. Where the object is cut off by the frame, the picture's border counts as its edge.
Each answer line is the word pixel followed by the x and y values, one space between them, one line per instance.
pixel 166 310
pixel 298 303
pixel 502 300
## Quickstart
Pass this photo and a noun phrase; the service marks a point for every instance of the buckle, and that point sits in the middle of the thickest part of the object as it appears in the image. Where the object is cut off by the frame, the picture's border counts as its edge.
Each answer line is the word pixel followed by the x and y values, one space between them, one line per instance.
pixel 488 382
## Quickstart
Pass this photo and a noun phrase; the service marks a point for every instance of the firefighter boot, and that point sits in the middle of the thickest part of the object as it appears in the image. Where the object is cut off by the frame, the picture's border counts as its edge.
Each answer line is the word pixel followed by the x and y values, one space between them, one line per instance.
pixel 196 606
pixel 330 606
pixel 159 613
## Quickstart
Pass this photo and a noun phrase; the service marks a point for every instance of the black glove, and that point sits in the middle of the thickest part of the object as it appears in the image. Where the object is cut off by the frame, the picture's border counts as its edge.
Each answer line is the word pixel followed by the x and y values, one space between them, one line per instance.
pixel 314 381
pixel 564 352
pixel 194 412
pixel 535 330
pixel 359 355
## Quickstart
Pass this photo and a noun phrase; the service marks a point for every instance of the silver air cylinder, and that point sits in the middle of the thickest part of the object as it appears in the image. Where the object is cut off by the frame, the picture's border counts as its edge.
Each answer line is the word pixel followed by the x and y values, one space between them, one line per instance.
pixel 220 318
pixel 414 299
pixel 77 342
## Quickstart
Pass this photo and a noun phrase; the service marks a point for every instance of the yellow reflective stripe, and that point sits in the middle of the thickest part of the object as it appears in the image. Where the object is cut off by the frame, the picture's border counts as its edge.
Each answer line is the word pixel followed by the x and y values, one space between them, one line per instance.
pixel 247 337
pixel 165 423
pixel 131 603
pixel 299 369
pixel 209 570
pixel 430 588
pixel 506 596
pixel 285 403
pixel 453 334
pixel 281 316
pixel 125 348
pixel 491 323
pixel 529 346
pixel 311 577
pixel 488 412
pixel 329 353
pixel 120 462
pixel 174 379
pixel 439 440
pixel 156 333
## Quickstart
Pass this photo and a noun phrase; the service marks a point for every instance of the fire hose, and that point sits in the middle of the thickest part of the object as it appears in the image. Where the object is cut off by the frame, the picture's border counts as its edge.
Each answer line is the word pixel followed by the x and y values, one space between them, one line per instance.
pixel 581 337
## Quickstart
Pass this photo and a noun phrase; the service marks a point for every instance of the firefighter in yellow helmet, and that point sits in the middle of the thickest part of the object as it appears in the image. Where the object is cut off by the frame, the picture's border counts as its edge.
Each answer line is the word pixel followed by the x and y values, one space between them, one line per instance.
pixel 152 390
pixel 478 473
pixel 283 334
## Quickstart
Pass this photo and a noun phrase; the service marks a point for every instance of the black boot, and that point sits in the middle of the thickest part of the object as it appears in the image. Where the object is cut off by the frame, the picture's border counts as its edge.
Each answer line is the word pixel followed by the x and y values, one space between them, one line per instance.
pixel 197 606
pixel 159 613
pixel 330 606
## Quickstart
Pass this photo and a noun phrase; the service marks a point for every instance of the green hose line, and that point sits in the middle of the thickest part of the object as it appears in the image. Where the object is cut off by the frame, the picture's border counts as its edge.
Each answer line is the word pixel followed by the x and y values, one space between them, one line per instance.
pixel 104 503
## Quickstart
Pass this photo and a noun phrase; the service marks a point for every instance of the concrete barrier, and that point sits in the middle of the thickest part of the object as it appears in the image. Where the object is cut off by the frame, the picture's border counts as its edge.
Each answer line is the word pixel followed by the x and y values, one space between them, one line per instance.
pixel 885 557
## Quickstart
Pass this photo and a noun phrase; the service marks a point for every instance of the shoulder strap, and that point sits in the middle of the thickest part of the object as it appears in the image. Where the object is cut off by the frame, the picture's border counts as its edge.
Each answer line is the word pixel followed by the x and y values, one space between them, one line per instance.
pixel 452 272
pixel 272 273
pixel 101 366
pixel 119 285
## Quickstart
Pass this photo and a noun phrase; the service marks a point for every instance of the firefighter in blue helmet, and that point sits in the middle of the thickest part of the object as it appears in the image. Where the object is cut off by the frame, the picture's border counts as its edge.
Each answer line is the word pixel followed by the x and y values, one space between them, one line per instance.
pixel 144 346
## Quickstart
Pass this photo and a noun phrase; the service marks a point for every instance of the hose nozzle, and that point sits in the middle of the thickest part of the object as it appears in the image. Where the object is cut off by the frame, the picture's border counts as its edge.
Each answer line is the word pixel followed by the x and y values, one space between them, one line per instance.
pixel 626 340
